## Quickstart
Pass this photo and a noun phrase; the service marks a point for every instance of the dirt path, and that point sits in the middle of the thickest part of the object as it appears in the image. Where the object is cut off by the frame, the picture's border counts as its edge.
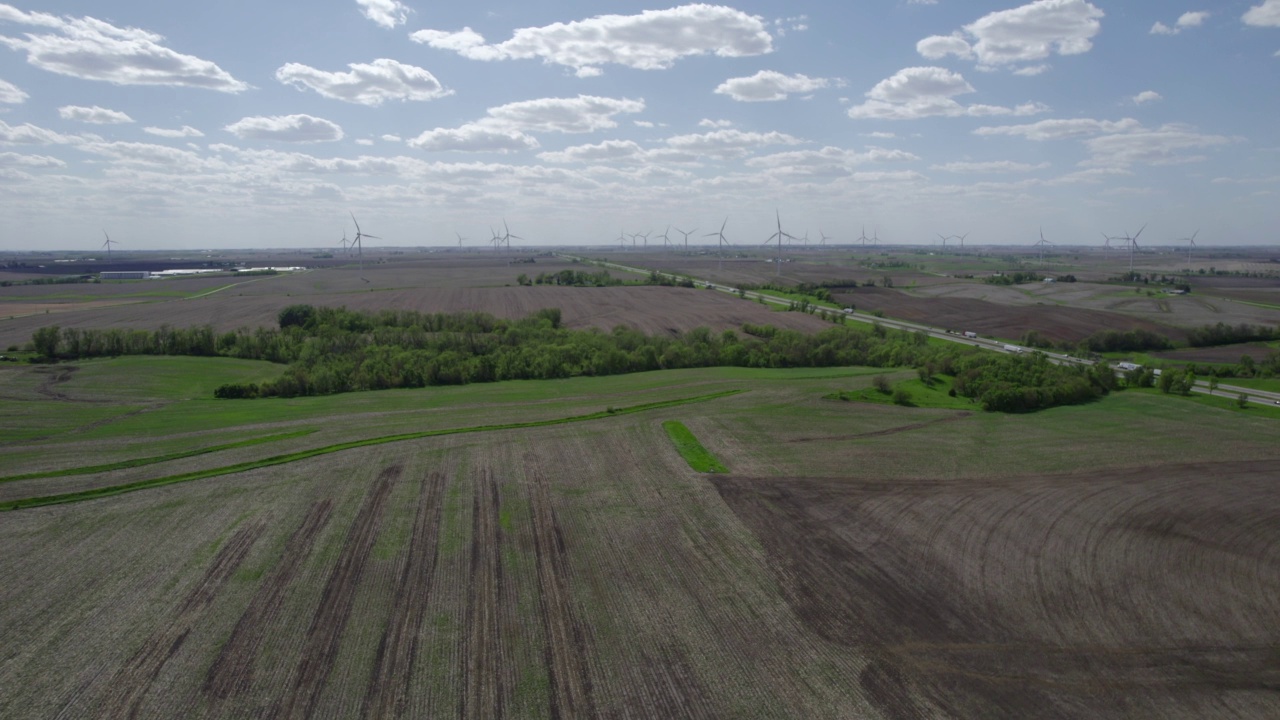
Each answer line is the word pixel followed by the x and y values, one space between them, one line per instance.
pixel 128 689
pixel 388 692
pixel 320 647
pixel 483 676
pixel 232 672
pixel 566 637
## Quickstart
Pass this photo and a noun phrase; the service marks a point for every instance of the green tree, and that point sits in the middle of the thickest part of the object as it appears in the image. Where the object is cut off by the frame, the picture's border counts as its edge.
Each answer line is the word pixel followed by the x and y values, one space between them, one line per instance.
pixel 1242 400
pixel 45 341
pixel 1213 384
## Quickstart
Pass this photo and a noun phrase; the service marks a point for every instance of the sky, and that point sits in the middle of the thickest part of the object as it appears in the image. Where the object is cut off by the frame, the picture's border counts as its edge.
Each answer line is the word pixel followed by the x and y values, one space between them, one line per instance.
pixel 237 124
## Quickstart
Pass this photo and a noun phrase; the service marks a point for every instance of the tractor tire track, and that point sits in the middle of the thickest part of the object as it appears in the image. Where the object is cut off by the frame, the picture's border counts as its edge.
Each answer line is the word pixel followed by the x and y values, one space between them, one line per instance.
pixel 484 692
pixel 320 648
pixel 566 636
pixel 388 692
pixel 128 689
pixel 889 431
pixel 232 672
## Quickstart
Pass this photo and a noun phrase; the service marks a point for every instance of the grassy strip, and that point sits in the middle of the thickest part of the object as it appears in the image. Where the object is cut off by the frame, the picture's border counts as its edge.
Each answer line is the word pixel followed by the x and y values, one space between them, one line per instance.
pixel 139 462
pixel 304 454
pixel 691 450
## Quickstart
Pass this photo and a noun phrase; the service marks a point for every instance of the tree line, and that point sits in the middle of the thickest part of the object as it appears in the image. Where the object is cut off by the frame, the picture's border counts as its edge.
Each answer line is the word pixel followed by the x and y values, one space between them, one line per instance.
pixel 333 350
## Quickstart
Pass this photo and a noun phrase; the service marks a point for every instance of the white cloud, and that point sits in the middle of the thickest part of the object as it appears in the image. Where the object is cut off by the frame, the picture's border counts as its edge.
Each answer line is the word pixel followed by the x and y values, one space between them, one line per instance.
pixel 11 94
pixel 651 40
pixel 881 135
pixel 1062 129
pixel 366 84
pixel 585 113
pixel 28 134
pixel 607 151
pixel 1163 146
pixel 919 92
pixel 91 49
pixel 364 141
pixel 714 124
pixel 727 144
pixel 827 162
pixel 286 128
pixel 996 166
pixel 1030 70
pixel 1265 15
pixel 474 137
pixel 387 13
pixel 1146 96
pixel 1186 20
pixel 8 160
pixel 768 85
pixel 643 123
pixel 391 138
pixel 186 131
pixel 93 115
pixel 1020 35
pixel 504 129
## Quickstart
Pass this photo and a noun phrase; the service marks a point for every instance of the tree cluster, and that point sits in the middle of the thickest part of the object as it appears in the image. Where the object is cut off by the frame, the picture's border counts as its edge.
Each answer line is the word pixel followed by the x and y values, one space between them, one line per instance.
pixel 1224 334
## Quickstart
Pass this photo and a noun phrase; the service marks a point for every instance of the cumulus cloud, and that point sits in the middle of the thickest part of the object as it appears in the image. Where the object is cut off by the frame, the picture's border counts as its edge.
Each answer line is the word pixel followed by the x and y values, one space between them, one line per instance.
pixel 387 13
pixel 91 49
pixel 651 40
pixel 1023 34
pixel 505 127
pixel 186 131
pixel 728 143
pixel 11 94
pixel 1185 20
pixel 1163 146
pixel 286 128
pixel 990 167
pixel 1265 15
pixel 607 151
pixel 768 85
pixel 9 160
pixel 919 92
pixel 1061 129
pixel 709 123
pixel 474 137
pixel 93 115
pixel 827 162
pixel 366 84
pixel 1146 96
pixel 28 134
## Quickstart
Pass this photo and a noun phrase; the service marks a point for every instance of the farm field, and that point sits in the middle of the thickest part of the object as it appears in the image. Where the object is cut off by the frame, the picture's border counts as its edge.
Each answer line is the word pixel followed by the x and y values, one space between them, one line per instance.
pixel 855 560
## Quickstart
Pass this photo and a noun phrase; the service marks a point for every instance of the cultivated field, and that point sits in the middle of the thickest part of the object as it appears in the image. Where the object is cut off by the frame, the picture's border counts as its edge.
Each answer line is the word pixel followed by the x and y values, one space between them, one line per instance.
pixel 857 560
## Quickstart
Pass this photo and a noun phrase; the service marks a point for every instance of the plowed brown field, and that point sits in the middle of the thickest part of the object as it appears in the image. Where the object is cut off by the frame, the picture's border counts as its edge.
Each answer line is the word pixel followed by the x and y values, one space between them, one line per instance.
pixel 1003 321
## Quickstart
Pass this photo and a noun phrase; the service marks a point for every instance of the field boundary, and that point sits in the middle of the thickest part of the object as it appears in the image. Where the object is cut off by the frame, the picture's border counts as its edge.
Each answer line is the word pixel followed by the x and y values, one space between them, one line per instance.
pixel 325 450
pixel 698 457
pixel 140 462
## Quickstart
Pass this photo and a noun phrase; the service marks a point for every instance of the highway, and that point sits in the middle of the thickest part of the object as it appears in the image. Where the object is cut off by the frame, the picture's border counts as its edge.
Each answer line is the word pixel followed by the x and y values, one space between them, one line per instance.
pixel 1261 397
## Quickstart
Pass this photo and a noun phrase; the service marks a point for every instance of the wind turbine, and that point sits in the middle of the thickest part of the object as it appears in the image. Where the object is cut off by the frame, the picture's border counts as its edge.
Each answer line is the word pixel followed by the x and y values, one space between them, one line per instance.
pixel 343 241
pixel 720 235
pixel 863 238
pixel 109 242
pixel 961 237
pixel 779 235
pixel 359 238
pixel 823 238
pixel 875 237
pixel 666 241
pixel 496 240
pixel 1133 245
pixel 507 236
pixel 1042 244
pixel 686 236
pixel 945 238
pixel 1191 243
pixel 622 239
pixel 644 235
pixel 460 239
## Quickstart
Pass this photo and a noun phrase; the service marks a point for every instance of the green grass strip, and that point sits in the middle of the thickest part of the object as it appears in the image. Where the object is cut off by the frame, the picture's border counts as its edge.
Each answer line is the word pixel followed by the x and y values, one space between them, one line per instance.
pixel 139 462
pixel 691 450
pixel 304 454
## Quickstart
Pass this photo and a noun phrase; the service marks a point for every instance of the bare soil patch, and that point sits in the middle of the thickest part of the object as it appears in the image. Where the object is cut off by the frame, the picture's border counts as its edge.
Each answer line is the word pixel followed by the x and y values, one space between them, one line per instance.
pixel 1140 592
pixel 1058 324
pixel 1219 354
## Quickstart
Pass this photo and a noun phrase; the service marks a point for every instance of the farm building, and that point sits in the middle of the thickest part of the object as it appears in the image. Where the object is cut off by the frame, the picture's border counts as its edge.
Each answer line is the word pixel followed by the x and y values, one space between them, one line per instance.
pixel 124 275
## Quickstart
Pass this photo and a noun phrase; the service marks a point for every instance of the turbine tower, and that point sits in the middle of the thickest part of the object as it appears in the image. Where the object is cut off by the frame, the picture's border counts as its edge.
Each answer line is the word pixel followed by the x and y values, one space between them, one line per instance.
pixel 507 236
pixel 109 242
pixel 720 235
pixel 778 235
pixel 358 242
pixel 666 241
pixel 1191 243
pixel 1042 244
pixel 823 238
pixel 863 238
pixel 343 241
pixel 686 236
pixel 460 239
